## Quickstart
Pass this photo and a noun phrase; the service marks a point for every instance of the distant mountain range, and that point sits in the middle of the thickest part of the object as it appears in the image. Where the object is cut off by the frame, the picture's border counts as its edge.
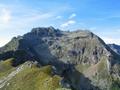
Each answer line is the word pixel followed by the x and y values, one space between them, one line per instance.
pixel 50 59
pixel 115 48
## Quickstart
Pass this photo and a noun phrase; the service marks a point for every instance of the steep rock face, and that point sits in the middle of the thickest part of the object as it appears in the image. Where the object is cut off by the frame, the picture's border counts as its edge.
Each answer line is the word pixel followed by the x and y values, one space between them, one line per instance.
pixel 82 49
pixel 69 47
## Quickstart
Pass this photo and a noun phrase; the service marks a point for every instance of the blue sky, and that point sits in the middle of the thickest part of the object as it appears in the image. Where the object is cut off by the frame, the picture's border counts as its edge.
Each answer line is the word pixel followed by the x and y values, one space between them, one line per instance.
pixel 99 16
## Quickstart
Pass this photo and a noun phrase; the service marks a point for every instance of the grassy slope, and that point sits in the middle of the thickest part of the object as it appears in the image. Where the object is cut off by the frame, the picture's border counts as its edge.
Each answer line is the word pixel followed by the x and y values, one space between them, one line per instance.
pixel 6 67
pixel 34 78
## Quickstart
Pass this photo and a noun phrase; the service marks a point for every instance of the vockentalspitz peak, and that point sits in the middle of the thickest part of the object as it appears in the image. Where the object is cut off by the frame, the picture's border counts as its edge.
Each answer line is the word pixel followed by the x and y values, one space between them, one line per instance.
pixel 51 59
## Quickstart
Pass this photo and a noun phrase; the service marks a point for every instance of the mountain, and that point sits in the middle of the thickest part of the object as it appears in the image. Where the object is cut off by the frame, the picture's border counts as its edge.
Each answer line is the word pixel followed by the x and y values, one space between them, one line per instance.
pixel 115 48
pixel 80 60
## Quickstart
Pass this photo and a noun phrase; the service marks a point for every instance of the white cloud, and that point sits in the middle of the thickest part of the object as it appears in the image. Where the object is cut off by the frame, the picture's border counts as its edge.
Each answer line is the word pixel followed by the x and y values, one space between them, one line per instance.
pixel 5 16
pixel 72 16
pixel 68 23
pixel 111 40
pixel 58 17
pixel 38 16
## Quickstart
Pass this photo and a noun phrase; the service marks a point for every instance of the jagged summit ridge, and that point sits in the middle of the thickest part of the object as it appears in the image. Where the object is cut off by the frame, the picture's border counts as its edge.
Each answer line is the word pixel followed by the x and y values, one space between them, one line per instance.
pixel 46 31
pixel 85 46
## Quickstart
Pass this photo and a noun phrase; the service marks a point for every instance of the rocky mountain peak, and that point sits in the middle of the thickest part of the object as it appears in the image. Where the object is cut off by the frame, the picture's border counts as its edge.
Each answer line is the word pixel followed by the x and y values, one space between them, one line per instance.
pixel 77 47
pixel 79 51
pixel 81 34
pixel 46 31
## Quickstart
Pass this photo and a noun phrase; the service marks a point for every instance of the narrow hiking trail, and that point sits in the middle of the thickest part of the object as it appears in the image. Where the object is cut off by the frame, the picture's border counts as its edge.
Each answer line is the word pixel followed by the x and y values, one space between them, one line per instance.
pixel 4 80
